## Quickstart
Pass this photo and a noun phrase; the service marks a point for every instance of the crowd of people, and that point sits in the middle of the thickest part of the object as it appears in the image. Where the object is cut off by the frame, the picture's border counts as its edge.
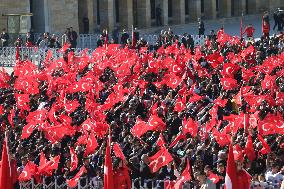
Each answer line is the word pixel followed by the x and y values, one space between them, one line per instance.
pixel 171 111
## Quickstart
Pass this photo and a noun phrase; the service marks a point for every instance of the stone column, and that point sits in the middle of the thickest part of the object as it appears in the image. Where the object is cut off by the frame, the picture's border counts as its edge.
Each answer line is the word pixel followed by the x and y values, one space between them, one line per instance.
pixel 239 6
pixel 107 14
pixel 178 12
pixel 126 14
pixel 210 9
pixel 164 5
pixel 91 15
pixel 225 8
pixel 262 5
pixel 274 4
pixel 194 10
pixel 252 6
pixel 144 13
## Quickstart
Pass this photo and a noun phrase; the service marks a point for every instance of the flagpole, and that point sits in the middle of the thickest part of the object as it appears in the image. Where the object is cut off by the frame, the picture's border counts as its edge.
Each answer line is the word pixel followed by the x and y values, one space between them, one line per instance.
pixel 241 26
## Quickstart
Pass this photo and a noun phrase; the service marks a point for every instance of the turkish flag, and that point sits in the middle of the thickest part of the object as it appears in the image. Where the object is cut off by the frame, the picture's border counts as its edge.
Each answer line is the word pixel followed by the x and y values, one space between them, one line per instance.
pixel 160 159
pixel 231 171
pixel 139 128
pixel 229 83
pixel 49 166
pixel 117 151
pixel 265 147
pixel 185 176
pixel 268 82
pixel 215 59
pixel 156 123
pixel 220 102
pixel 213 177
pixel 221 139
pixel 172 81
pixel 279 98
pixel 8 172
pixel 249 149
pixel 27 173
pixel 190 127
pixel 178 138
pixel 92 144
pixel 179 105
pixel 247 51
pixel 23 101
pixel 28 130
pixel 230 69
pixel 65 47
pixel 74 181
pixel 160 142
pixel 74 160
pixel 70 106
pixel 108 172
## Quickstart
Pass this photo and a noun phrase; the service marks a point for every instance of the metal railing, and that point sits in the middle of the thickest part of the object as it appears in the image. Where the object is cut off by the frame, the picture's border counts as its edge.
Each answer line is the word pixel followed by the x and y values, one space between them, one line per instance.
pixel 90 40
pixel 94 183
pixel 34 54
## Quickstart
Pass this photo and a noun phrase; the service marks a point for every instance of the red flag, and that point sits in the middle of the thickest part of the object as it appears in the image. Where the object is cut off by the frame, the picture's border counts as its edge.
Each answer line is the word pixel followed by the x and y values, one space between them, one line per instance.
pixel 265 147
pixel 229 70
pixel 70 106
pixel 74 181
pixel 108 172
pixel 160 142
pixel 231 171
pixel 160 159
pixel 229 83
pixel 29 170
pixel 65 47
pixel 178 137
pixel 17 53
pixel 117 151
pixel 74 160
pixel 179 106
pixel 156 123
pixel 28 130
pixel 185 176
pixel 213 177
pixel 221 139
pixel 92 144
pixel 139 128
pixel 268 82
pixel 7 171
pixel 249 150
pixel 190 127
pixel 23 101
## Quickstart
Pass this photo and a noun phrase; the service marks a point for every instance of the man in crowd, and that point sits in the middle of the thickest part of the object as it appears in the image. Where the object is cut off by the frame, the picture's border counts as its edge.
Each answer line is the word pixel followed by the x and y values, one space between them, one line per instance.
pixel 201 27
pixel 4 38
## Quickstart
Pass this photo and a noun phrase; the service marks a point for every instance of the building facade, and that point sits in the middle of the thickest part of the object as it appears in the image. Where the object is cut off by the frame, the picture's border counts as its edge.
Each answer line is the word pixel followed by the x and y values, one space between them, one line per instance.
pixel 56 15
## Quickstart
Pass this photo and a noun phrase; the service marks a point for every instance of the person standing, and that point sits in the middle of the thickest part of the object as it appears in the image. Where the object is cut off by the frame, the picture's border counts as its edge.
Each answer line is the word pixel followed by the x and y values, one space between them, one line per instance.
pixel 124 37
pixel 280 17
pixel 158 16
pixel 249 30
pixel 73 38
pixel 265 25
pixel 86 24
pixel 201 28
pixel 121 176
pixel 4 38
pixel 276 19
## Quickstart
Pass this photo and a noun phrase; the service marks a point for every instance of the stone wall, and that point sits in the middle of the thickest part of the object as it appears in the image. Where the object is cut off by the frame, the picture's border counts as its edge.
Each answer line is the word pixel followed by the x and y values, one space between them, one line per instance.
pixel 12 7
pixel 62 14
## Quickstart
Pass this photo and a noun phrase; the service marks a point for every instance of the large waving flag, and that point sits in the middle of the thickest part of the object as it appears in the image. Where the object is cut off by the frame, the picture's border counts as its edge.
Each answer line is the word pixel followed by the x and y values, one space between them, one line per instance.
pixel 231 172
pixel 108 172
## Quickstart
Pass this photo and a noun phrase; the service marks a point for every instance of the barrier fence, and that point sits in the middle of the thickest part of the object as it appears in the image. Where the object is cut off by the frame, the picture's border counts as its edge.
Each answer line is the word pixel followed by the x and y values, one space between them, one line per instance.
pixel 94 183
pixel 36 55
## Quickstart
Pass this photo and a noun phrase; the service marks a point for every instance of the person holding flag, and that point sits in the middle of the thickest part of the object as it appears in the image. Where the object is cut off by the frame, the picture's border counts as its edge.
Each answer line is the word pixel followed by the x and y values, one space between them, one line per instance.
pixel 249 30
pixel 121 175
pixel 236 176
